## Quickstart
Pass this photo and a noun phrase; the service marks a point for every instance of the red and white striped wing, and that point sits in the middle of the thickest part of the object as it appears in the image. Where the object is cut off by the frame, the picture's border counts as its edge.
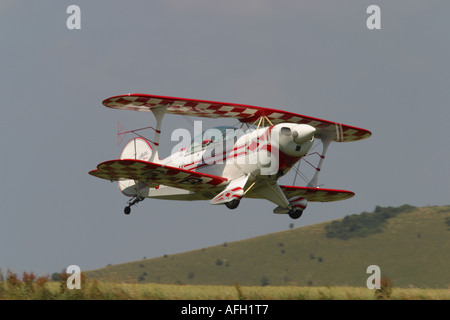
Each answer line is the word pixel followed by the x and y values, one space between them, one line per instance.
pixel 244 113
pixel 154 173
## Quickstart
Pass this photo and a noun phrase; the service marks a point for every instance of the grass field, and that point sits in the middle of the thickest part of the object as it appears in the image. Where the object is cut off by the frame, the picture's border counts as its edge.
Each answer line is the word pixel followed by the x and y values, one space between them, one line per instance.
pixel 40 289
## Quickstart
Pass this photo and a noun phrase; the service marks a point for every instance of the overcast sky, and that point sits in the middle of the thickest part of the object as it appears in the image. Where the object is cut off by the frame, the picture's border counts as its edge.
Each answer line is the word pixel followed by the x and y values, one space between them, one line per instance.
pixel 316 58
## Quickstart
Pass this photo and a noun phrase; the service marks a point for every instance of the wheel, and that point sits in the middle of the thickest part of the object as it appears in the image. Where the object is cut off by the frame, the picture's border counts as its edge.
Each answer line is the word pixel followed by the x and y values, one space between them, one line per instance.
pixel 233 204
pixel 127 210
pixel 295 213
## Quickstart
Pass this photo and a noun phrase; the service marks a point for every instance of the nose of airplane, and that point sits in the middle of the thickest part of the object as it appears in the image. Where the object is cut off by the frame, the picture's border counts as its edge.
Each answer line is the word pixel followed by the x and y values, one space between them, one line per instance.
pixel 303 133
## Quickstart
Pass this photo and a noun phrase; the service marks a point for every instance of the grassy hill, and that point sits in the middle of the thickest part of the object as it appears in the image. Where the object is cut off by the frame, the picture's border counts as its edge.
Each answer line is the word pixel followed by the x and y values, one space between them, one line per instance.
pixel 410 245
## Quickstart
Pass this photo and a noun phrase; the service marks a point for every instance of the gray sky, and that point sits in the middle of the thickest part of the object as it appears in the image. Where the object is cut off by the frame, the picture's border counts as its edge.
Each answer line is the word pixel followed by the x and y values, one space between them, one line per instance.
pixel 316 58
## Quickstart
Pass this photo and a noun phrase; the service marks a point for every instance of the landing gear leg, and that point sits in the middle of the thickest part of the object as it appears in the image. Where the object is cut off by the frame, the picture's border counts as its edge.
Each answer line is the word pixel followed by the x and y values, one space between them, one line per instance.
pixel 132 202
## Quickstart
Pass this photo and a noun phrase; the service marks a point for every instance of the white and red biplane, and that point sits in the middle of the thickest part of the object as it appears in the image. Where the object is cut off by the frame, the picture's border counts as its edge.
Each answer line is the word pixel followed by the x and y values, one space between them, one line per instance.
pixel 225 164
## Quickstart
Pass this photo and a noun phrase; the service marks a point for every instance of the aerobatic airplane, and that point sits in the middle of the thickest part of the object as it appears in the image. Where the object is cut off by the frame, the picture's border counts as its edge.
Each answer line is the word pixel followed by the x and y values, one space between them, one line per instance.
pixel 225 164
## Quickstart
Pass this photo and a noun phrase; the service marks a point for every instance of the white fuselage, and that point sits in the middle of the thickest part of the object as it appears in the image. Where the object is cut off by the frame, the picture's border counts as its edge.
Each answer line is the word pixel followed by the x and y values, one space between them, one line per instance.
pixel 265 153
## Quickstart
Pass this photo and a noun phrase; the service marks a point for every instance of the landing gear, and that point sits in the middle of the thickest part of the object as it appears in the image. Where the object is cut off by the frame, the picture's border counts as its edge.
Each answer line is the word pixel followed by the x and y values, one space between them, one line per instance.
pixel 233 204
pixel 295 213
pixel 132 202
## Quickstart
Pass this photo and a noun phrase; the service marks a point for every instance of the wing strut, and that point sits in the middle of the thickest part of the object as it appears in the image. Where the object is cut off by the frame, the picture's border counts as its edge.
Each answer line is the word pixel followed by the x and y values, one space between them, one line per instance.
pixel 159 115
pixel 326 140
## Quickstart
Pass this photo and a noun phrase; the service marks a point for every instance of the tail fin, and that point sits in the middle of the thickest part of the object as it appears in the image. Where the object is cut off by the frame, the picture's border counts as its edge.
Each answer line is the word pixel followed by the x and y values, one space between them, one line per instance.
pixel 138 149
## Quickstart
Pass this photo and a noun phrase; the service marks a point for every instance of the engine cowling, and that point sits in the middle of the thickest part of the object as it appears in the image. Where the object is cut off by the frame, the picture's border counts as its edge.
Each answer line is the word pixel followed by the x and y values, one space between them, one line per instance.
pixel 294 140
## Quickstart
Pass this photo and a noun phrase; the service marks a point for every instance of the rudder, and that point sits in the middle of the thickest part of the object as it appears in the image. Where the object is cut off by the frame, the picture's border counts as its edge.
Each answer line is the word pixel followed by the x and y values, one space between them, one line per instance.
pixel 138 149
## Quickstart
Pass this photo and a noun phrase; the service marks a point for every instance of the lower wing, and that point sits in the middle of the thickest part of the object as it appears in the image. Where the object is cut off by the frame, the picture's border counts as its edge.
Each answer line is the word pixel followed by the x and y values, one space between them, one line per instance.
pixel 316 194
pixel 156 174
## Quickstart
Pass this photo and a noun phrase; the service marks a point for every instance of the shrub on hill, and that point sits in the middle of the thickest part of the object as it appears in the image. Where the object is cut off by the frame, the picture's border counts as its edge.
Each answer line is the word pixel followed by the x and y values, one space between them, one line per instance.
pixel 364 224
pixel 447 222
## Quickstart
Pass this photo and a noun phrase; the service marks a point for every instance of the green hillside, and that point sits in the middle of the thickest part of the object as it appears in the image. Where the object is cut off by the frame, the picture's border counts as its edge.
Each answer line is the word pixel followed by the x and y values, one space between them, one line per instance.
pixel 410 245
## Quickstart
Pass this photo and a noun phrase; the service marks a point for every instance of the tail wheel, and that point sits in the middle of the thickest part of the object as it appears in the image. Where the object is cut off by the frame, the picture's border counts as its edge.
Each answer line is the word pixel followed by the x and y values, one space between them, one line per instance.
pixel 295 213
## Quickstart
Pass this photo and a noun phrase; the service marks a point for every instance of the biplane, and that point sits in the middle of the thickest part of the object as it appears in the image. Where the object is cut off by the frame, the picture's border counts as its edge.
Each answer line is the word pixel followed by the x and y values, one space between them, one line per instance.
pixel 225 164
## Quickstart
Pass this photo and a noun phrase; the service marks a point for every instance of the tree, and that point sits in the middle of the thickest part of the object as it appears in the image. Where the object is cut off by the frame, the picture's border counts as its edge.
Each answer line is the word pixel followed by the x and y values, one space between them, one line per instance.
pixel 55 276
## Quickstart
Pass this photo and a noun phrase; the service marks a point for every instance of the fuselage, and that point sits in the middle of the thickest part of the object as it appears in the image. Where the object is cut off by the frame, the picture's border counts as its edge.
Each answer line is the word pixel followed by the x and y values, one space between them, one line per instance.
pixel 266 153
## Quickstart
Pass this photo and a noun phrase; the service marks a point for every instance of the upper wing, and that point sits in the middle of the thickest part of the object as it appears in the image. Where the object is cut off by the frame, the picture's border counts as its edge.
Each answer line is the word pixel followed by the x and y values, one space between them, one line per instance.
pixel 316 194
pixel 149 172
pixel 244 113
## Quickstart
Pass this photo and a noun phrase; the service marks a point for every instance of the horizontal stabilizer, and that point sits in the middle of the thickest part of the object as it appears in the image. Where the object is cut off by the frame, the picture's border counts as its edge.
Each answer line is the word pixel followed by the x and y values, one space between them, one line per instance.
pixel 156 174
